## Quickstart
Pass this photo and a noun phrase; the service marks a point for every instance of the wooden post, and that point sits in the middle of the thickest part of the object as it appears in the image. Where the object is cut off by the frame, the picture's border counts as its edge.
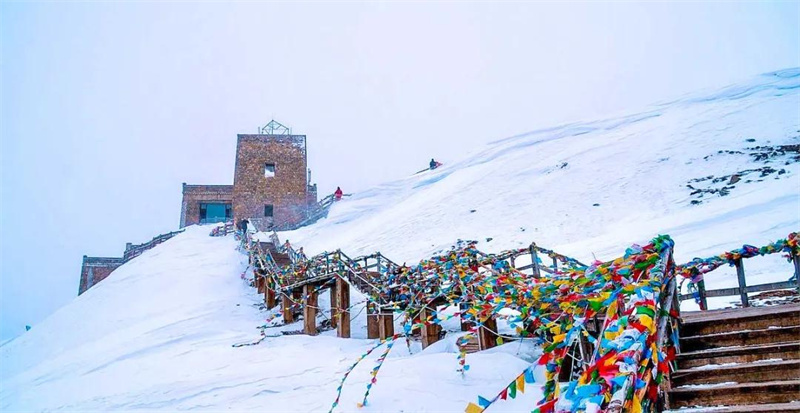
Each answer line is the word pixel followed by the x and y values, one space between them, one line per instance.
pixel 373 330
pixel 465 325
pixel 555 264
pixel 701 289
pixel 429 332
pixel 486 334
pixel 742 282
pixel 269 293
pixel 259 283
pixel 310 310
pixel 378 270
pixel 286 303
pixel 534 262
pixel 385 323
pixel 796 259
pixel 334 307
pixel 343 312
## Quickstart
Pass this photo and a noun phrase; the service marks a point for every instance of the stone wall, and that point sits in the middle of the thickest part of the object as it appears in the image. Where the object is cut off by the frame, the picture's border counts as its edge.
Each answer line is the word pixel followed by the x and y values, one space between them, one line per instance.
pixel 96 269
pixel 287 191
pixel 194 195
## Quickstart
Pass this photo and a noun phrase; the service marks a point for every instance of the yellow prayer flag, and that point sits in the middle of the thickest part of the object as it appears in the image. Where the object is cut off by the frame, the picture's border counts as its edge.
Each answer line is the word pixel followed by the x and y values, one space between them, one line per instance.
pixel 473 408
pixel 636 406
pixel 521 384
pixel 612 310
pixel 646 321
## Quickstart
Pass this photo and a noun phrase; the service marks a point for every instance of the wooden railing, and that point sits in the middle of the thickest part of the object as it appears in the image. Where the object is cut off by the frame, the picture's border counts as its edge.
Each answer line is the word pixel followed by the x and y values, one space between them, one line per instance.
pixel 698 267
pixel 133 251
pixel 313 213
pixel 223 230
pixel 642 372
pixel 372 274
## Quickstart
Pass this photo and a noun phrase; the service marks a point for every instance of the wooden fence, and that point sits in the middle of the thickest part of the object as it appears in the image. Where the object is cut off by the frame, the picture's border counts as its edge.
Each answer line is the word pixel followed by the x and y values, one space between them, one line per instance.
pixel 743 289
pixel 133 251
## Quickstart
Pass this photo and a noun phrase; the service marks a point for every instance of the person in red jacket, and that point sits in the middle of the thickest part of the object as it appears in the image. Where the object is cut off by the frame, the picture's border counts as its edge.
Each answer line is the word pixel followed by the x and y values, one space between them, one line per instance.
pixel 337 196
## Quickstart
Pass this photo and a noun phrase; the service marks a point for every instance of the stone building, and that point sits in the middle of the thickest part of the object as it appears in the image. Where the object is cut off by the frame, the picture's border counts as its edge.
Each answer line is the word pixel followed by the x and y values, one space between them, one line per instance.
pixel 96 269
pixel 204 204
pixel 271 187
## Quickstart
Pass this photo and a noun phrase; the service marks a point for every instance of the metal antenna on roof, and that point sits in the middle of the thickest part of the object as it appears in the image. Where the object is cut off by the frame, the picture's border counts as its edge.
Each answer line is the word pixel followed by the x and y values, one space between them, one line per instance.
pixel 274 128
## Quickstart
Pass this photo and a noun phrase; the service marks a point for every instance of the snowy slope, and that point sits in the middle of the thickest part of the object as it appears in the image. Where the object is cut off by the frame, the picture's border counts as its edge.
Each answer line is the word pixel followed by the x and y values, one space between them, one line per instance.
pixel 158 333
pixel 541 186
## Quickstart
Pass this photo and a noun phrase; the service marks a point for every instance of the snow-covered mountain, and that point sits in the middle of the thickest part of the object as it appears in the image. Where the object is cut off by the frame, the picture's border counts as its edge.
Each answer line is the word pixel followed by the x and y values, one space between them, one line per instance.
pixel 591 189
pixel 714 170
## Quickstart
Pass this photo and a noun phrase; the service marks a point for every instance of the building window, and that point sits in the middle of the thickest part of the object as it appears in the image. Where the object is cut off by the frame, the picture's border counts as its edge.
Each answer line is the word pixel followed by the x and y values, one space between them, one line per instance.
pixel 267 210
pixel 211 212
pixel 269 170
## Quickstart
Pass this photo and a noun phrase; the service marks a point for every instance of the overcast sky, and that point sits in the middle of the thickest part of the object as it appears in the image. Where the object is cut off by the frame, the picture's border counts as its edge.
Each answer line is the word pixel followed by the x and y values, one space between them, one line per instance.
pixel 108 107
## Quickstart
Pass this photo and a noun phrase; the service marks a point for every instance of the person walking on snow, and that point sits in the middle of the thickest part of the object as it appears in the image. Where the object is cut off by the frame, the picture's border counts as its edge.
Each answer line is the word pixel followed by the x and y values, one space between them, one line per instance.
pixel 434 164
pixel 337 196
pixel 243 226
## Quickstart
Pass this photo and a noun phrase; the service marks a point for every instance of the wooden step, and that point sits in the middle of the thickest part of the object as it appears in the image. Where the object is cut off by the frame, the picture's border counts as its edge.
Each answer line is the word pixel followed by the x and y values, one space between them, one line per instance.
pixel 736 394
pixel 744 354
pixel 742 373
pixel 281 259
pixel 698 323
pixel 740 338
pixel 746 408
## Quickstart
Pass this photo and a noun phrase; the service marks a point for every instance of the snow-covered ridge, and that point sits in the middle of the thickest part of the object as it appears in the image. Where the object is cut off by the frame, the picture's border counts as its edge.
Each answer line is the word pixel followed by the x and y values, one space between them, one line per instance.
pixel 542 186
pixel 158 333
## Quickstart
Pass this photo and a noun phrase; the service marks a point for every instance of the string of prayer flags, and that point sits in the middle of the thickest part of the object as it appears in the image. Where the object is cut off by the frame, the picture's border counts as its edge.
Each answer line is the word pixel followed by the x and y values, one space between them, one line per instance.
pixel 550 308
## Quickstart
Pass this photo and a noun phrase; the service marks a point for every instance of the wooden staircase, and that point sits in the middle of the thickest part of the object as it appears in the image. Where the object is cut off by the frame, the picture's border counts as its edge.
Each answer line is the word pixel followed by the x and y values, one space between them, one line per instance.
pixel 281 259
pixel 747 359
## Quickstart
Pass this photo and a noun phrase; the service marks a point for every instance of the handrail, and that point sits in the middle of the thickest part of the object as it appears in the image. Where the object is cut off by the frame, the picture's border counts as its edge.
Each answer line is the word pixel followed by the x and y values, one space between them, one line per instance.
pixel 221 231
pixel 314 213
pixel 133 251
pixel 638 292
pixel 694 270
pixel 306 269
pixel 635 369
